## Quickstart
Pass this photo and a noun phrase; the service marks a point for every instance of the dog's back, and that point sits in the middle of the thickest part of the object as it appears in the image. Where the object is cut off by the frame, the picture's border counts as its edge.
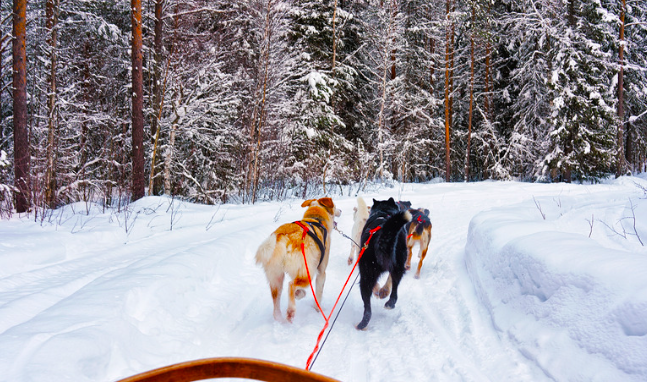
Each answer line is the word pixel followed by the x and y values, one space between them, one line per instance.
pixel 420 221
pixel 390 240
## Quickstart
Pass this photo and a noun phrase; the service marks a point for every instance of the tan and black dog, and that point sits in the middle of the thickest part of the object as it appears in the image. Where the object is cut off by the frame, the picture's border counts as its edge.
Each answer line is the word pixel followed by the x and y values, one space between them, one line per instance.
pixel 281 253
pixel 419 232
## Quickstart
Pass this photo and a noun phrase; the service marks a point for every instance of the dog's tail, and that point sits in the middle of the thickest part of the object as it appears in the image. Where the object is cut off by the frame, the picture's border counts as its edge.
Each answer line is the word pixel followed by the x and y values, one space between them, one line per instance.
pixel 361 204
pixel 265 250
pixel 389 234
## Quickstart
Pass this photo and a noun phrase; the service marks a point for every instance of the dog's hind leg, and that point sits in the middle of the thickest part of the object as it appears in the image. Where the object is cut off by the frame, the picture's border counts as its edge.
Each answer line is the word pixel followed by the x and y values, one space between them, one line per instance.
pixel 276 287
pixel 293 286
pixel 407 265
pixel 319 285
pixel 396 277
pixel 385 290
pixel 366 283
pixel 423 254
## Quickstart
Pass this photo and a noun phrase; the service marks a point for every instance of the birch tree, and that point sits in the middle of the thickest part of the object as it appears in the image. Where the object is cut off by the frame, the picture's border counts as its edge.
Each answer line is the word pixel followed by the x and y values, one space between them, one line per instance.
pixel 384 30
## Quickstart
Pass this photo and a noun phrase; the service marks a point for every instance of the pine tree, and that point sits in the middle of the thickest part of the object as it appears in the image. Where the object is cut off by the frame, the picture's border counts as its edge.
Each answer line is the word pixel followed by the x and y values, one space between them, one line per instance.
pixel 20 132
pixel 635 92
pixel 138 102
pixel 528 33
pixel 583 110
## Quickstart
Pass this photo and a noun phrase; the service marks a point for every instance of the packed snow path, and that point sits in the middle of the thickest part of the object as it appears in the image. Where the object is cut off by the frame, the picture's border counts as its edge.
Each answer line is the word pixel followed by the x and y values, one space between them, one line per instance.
pixel 88 295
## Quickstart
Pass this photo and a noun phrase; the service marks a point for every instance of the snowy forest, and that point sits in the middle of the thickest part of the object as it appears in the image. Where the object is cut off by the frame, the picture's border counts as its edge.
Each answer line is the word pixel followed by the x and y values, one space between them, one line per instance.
pixel 218 101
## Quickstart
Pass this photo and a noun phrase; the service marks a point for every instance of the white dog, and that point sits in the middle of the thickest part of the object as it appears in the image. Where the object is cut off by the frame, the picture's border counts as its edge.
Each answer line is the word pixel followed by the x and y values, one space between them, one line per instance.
pixel 360 215
pixel 284 251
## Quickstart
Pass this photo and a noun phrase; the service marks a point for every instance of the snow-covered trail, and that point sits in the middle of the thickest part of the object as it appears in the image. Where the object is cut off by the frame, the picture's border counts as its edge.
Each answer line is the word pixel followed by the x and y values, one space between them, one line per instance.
pixel 107 304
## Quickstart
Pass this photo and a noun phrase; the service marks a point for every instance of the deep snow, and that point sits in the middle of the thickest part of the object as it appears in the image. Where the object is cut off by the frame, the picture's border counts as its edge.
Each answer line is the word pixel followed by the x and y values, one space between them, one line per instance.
pixel 522 282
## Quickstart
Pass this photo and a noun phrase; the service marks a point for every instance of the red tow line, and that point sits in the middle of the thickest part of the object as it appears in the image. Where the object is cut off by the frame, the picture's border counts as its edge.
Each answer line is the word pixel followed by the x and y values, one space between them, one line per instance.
pixel 327 319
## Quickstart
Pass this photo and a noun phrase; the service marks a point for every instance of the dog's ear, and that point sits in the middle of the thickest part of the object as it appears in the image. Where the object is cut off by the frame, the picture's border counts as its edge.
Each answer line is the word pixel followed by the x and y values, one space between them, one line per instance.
pixel 426 211
pixel 307 203
pixel 326 202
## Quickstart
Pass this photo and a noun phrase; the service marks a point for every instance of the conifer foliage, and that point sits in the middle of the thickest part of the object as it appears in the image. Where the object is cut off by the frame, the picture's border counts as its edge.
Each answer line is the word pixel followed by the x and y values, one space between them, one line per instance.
pixel 265 99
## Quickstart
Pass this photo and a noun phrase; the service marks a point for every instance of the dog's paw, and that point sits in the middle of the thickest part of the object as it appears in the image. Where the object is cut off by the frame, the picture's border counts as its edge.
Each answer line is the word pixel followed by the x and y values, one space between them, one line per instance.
pixel 376 290
pixel 299 294
pixel 350 260
pixel 384 292
pixel 290 315
pixel 389 305
pixel 407 266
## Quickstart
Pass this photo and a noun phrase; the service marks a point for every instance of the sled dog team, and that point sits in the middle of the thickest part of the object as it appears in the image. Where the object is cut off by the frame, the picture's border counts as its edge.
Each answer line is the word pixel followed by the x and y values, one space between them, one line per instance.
pixel 386 232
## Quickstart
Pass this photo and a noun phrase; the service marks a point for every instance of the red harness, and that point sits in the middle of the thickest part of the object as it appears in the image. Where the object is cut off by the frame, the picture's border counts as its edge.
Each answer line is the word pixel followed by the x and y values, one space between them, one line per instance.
pixel 305 260
pixel 419 220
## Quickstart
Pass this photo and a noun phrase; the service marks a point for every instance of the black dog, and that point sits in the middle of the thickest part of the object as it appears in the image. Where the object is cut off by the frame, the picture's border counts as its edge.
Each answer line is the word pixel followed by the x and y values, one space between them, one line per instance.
pixel 385 252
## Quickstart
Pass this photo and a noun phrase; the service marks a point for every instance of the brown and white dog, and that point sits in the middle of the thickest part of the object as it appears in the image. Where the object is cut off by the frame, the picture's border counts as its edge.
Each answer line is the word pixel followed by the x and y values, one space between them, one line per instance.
pixel 281 253
pixel 360 215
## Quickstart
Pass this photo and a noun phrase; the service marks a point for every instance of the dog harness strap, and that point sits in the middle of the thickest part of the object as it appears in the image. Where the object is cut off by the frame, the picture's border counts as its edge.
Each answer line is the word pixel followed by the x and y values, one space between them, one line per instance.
pixel 324 231
pixel 313 235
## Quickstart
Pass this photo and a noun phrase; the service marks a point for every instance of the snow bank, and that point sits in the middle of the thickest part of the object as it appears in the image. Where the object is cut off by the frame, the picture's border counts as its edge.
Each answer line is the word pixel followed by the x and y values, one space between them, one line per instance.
pixel 558 287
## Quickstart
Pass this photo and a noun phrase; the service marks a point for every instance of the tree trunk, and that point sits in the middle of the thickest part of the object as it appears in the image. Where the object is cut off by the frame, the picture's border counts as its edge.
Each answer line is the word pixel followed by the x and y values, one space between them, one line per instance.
pixel 386 72
pixel 487 82
pixel 137 103
pixel 571 12
pixel 334 51
pixel 451 70
pixel 157 67
pixel 487 104
pixel 621 164
pixel 431 65
pixel 171 145
pixel 394 12
pixel 258 116
pixel 51 15
pixel 630 151
pixel 155 185
pixel 471 107
pixel 447 105
pixel 20 133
